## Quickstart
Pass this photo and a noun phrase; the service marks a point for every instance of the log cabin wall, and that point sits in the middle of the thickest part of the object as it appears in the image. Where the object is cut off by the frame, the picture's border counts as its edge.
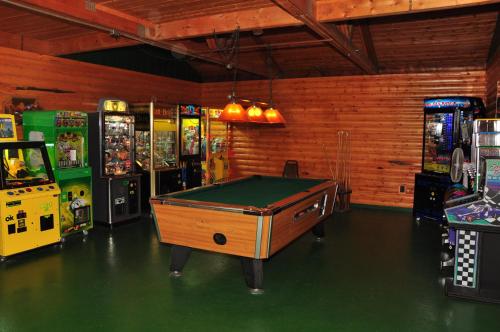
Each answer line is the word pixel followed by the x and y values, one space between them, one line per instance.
pixel 493 85
pixel 85 83
pixel 383 113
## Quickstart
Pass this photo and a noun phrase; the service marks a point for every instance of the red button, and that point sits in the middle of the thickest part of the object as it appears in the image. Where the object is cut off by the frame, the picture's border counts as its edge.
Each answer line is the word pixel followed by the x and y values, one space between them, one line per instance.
pixel 28 190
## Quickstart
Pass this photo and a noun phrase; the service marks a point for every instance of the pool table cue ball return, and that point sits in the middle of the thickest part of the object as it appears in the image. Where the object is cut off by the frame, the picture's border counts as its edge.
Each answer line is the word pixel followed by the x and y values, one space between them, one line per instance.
pixel 252 218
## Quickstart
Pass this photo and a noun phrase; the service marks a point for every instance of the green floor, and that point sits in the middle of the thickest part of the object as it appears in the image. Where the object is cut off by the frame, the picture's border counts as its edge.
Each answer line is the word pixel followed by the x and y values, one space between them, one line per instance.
pixel 375 271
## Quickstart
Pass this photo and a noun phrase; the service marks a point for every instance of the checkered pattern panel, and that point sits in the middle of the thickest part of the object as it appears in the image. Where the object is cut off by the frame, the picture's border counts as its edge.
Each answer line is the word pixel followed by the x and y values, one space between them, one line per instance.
pixel 466 258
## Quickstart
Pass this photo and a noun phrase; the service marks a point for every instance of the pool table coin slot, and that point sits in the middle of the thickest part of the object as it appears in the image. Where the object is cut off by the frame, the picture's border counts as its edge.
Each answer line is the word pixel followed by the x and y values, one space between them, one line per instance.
pixel 302 213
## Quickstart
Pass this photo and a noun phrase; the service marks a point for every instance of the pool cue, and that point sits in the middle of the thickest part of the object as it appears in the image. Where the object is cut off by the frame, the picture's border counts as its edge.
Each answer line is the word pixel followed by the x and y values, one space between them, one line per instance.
pixel 328 161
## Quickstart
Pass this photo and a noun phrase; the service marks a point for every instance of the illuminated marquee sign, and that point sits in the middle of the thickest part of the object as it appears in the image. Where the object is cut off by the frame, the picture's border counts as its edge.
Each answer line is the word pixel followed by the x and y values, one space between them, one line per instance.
pixel 447 103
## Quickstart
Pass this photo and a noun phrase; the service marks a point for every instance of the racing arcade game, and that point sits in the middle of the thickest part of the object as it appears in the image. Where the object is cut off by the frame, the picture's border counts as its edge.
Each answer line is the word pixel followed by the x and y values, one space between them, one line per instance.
pixel 448 124
pixel 116 186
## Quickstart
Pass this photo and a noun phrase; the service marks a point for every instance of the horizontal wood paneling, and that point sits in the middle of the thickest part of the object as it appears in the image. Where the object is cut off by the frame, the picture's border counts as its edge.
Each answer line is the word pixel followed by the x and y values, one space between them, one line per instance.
pixel 87 82
pixel 383 113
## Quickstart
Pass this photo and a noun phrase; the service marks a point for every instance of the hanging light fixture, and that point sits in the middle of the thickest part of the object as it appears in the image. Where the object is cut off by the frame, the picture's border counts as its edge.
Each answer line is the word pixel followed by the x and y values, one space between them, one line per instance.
pixel 255 114
pixel 271 114
pixel 233 111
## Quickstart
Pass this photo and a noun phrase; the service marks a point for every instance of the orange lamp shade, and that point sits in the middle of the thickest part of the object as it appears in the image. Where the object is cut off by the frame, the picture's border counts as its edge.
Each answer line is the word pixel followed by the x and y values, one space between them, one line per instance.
pixel 274 116
pixel 255 114
pixel 233 112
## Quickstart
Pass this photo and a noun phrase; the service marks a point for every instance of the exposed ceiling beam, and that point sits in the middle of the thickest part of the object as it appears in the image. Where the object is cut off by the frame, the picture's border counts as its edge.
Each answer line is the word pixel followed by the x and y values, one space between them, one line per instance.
pixel 92 42
pixel 77 12
pixel 304 10
pixel 367 40
pixel 495 41
pixel 342 10
pixel 21 42
pixel 263 18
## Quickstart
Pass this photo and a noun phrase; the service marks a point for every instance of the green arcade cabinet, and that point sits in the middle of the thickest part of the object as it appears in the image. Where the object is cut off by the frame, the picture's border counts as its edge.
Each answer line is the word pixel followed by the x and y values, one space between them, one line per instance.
pixel 66 136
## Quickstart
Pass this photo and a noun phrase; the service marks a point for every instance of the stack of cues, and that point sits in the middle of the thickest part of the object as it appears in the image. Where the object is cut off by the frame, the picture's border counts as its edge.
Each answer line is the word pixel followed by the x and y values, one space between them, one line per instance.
pixel 342 170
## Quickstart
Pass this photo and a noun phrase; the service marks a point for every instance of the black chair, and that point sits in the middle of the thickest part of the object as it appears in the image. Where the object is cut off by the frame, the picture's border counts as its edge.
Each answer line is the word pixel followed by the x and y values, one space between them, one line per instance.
pixel 291 169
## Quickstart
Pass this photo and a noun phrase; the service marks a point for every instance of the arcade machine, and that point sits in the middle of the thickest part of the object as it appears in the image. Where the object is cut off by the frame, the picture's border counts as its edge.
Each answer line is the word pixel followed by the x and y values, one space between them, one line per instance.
pixel 485 143
pixel 29 196
pixel 116 187
pixel 477 225
pixel 66 136
pixel 166 176
pixel 214 147
pixel 190 145
pixel 448 123
pixel 7 128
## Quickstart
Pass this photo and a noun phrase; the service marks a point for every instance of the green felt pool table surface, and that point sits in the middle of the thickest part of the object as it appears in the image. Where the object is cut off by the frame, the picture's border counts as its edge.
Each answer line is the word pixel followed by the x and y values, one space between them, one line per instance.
pixel 257 191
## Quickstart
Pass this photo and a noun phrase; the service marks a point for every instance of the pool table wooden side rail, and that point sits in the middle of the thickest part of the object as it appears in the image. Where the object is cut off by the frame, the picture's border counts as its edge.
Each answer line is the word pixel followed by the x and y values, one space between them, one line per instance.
pixel 247 234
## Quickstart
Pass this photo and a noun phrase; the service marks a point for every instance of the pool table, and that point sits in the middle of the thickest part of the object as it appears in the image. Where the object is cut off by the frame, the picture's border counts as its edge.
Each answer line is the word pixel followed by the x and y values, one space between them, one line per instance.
pixel 251 217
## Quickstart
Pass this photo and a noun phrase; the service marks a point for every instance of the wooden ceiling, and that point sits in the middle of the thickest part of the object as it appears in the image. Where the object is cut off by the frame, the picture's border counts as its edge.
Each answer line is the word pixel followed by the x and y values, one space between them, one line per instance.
pixel 288 38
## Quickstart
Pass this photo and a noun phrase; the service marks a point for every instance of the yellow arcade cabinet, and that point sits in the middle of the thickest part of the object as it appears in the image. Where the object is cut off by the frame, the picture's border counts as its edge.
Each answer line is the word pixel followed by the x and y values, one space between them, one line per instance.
pixel 29 197
pixel 7 128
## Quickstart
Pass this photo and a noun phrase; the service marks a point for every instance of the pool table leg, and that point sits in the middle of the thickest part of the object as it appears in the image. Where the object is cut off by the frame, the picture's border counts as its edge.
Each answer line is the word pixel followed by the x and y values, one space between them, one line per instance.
pixel 254 274
pixel 180 255
pixel 319 230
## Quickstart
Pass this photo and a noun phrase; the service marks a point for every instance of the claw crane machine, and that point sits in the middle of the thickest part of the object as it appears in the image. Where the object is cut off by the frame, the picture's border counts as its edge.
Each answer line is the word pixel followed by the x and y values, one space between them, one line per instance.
pixel 156 146
pixel 116 185
pixel 66 136
pixel 29 194
pixel 190 145
pixel 214 147
pixel 448 126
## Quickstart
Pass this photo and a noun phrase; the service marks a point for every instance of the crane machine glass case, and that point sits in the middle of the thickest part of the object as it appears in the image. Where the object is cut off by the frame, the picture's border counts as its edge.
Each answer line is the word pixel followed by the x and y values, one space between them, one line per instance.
pixel 214 147
pixel 66 136
pixel 448 124
pixel 156 145
pixel 29 198
pixel 116 186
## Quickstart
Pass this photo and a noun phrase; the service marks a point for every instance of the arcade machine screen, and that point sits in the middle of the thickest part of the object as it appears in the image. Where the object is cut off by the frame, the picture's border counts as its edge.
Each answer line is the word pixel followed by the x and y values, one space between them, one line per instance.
pixel 70 150
pixel 190 137
pixel 6 128
pixel 118 144
pixel 438 142
pixel 23 167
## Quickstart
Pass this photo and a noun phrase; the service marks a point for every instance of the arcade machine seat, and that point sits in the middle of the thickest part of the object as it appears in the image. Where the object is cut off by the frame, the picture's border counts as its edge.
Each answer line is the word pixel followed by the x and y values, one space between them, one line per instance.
pixel 291 169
